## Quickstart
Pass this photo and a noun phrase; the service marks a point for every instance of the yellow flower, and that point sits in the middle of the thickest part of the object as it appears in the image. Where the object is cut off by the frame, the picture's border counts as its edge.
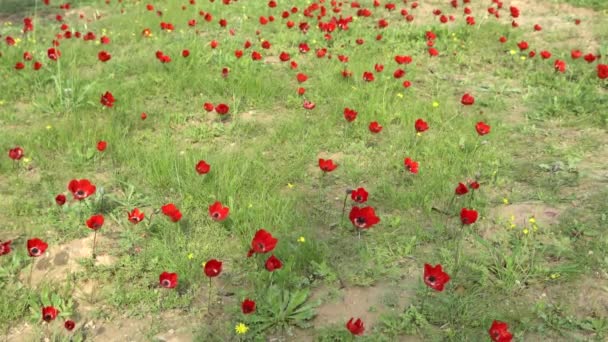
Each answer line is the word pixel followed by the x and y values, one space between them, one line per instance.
pixel 525 231
pixel 301 239
pixel 523 58
pixel 250 205
pixel 554 275
pixel 354 88
pixel 2 102
pixel 190 256
pixel 513 225
pixel 203 264
pixel 435 104
pixel 534 227
pixel 241 329
pixel 418 134
pixel 505 200
pixel 399 95
pixel 289 185
pixel 512 52
pixel 532 220
pixel 314 41
pixel 49 127
pixel 26 160
pixel 512 218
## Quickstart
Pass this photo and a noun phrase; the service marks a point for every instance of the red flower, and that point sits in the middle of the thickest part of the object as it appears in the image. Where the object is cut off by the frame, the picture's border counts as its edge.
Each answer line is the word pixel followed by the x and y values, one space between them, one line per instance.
pixel 399 73
pixel 284 57
pixel 482 128
pixel 185 53
pixel 576 54
pixel 368 76
pixel 208 106
pixel 590 58
pixel 19 65
pixel 53 54
pixel 514 11
pixel 36 247
pixel 474 185
pixel 467 99
pixel 433 52
pixel 222 109
pixel 104 40
pixel 355 327
pixel 104 56
pixel 218 212
pixel 95 222
pixel 81 189
pixel 363 218
pixel 172 212
pixel 375 127
pixel 359 195
pixel 5 247
pixel 37 65
pixel 461 189
pixel 379 67
pixel 545 54
pixel 60 199
pixel 327 165
pixel 523 45
pixel 434 277
pixel 499 332
pixel 248 306
pixel 411 165
pixel 107 99
pixel 49 313
pixel 213 268
pixel 263 242
pixel 602 71
pixel 144 116
pixel 403 59
pixel 202 167
pixel 502 39
pixel 273 263
pixel 136 216
pixel 69 325
pixel 560 65
pixel 301 77
pixel 421 125
pixel 468 216
pixel 350 114
pixel 15 153
pixel 168 280
pixel 256 56
pixel 308 105
pixel 101 146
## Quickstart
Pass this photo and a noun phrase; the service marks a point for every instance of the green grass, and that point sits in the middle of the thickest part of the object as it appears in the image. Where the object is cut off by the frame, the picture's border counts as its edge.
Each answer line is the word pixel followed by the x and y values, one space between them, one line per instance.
pixel 594 4
pixel 547 135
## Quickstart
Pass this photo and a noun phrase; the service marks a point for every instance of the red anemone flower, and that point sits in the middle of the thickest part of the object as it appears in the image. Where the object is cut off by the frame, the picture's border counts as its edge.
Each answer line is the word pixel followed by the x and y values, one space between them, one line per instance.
pixel 467 99
pixel 363 218
pixel 49 313
pixel 327 165
pixel 213 268
pixel 107 99
pixel 101 146
pixel 5 247
pixel 482 128
pixel 136 216
pixel 202 167
pixel 168 280
pixel 218 212
pixel 468 216
pixel 36 247
pixel 81 189
pixel 359 195
pixel 273 263
pixel 222 109
pixel 434 277
pixel 172 212
pixel 69 325
pixel 248 306
pixel 15 153
pixel 461 189
pixel 499 332
pixel 421 125
pixel 355 326
pixel 104 56
pixel 95 222
pixel 411 165
pixel 262 242
pixel 60 199
pixel 350 114
pixel 375 127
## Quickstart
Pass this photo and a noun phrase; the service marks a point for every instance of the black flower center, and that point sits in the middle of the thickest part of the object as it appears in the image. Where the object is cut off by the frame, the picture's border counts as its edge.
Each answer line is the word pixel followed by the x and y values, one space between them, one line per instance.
pixel 360 221
pixel 80 193
pixel 35 251
pixel 432 279
pixel 358 198
pixel 216 214
pixel 166 283
pixel 48 317
pixel 261 246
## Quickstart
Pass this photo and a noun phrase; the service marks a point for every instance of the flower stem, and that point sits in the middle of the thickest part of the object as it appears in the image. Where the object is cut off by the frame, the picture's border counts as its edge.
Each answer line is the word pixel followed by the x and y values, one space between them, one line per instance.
pixel 343 210
pixel 29 282
pixel 94 243
pixel 209 296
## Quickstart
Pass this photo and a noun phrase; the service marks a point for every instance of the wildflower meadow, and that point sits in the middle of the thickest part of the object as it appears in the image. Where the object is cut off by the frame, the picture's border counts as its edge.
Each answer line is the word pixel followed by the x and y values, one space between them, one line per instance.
pixel 304 170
